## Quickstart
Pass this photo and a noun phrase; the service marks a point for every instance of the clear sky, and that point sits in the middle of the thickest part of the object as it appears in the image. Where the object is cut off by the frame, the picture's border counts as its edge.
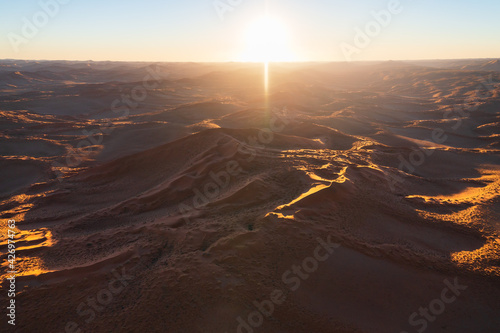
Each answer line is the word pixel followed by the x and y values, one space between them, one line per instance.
pixel 193 30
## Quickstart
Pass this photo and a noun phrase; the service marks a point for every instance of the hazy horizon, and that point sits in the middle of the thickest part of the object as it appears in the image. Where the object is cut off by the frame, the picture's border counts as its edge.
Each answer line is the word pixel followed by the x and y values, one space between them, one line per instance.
pixel 256 62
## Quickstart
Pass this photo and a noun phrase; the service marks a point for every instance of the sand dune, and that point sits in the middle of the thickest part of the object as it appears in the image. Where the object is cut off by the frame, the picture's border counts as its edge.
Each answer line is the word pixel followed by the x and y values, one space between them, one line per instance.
pixel 206 191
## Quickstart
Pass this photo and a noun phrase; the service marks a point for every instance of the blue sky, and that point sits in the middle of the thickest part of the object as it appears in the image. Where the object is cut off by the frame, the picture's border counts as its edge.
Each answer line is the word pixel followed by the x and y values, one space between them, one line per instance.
pixel 192 30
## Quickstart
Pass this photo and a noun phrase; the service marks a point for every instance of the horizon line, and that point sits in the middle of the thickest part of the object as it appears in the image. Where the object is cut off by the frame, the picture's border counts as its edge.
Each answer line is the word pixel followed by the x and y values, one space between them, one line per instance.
pixel 252 62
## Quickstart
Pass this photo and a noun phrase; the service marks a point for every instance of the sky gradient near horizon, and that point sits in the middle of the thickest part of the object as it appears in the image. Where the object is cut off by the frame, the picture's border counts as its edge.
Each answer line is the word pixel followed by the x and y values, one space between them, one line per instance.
pixel 193 30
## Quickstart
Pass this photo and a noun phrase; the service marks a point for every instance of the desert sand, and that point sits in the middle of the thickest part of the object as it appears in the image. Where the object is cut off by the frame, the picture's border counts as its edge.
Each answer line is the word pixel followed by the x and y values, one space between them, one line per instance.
pixel 200 190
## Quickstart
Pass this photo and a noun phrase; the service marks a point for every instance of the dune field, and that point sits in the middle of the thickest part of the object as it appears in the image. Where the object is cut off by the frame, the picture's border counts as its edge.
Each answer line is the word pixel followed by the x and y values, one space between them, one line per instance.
pixel 194 197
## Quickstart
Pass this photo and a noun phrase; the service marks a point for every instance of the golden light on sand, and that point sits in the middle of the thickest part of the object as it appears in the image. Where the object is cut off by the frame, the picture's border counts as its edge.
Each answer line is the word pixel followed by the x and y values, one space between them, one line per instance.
pixel 267 39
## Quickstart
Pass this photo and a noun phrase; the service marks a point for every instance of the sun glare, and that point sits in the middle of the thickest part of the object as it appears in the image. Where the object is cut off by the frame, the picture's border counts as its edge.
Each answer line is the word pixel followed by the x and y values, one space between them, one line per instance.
pixel 267 39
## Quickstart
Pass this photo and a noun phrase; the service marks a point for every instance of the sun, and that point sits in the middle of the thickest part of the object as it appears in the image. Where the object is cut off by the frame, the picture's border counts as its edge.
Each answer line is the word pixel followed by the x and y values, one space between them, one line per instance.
pixel 267 40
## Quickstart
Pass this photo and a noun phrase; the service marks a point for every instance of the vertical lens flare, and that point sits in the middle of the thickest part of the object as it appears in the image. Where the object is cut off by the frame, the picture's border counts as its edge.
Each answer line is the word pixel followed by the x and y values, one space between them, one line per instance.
pixel 266 86
pixel 266 78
